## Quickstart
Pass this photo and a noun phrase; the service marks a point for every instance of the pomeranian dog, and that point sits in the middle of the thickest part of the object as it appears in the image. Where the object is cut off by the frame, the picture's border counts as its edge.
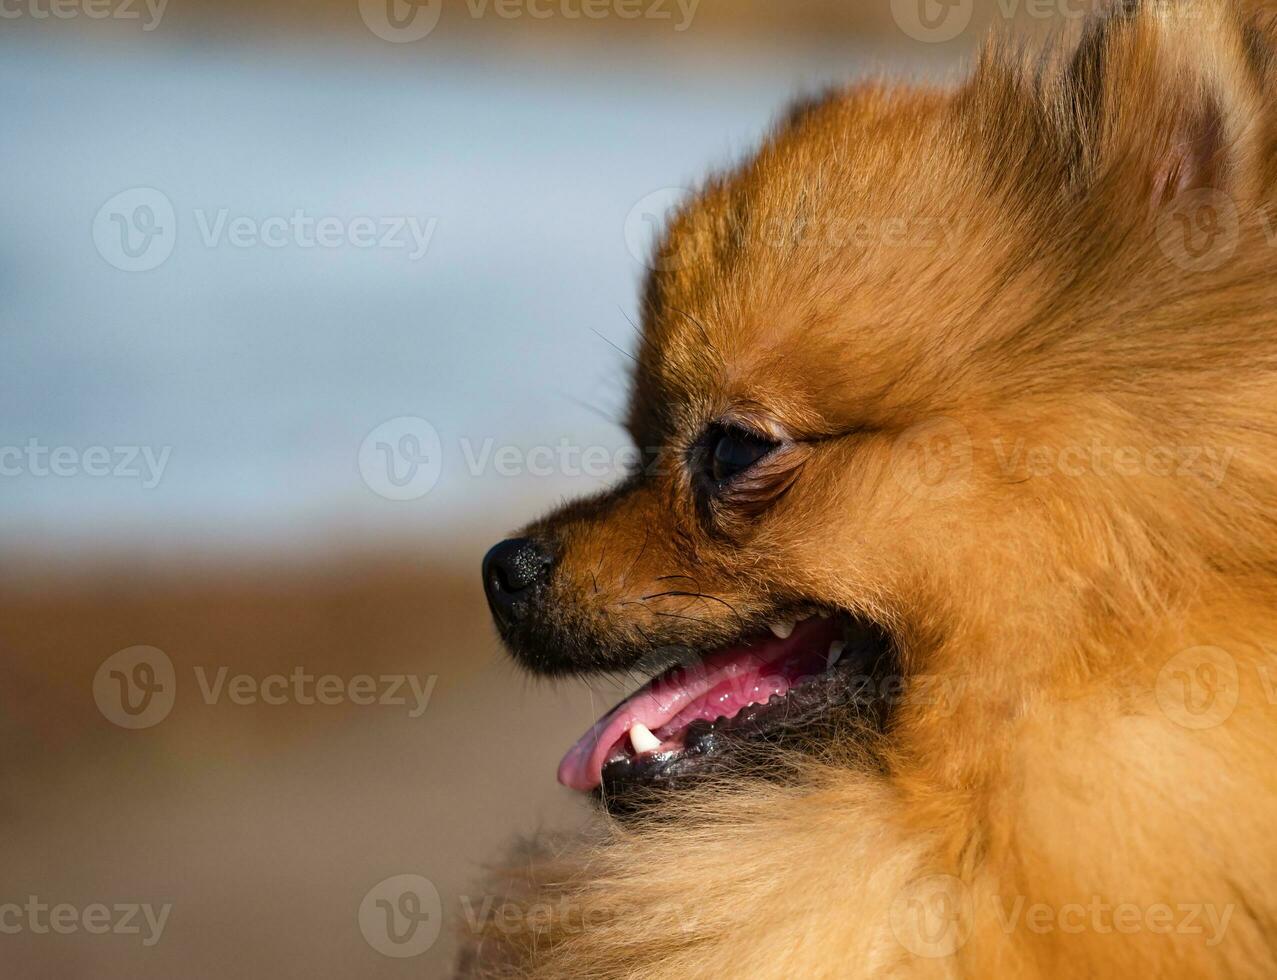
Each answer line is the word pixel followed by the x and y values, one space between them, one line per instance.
pixel 953 555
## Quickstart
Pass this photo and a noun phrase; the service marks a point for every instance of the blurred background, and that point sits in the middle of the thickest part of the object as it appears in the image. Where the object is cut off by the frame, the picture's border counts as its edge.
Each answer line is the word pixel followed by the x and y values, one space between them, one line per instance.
pixel 301 308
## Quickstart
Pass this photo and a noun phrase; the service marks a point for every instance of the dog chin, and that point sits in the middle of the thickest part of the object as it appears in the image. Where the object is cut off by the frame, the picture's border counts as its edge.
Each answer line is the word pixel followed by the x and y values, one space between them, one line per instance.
pixel 738 710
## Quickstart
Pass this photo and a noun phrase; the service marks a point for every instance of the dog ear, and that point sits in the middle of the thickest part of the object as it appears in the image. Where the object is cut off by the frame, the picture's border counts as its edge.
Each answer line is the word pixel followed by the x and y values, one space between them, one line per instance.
pixel 1169 97
pixel 1147 101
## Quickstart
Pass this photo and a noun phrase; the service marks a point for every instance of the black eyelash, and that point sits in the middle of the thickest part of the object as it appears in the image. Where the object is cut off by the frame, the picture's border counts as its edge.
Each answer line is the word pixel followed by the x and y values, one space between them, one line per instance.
pixel 727 451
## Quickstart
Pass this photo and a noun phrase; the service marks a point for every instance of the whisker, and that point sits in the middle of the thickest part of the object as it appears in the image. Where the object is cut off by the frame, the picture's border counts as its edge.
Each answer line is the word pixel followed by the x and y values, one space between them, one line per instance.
pixel 608 417
pixel 614 346
pixel 701 327
pixel 646 537
pixel 700 595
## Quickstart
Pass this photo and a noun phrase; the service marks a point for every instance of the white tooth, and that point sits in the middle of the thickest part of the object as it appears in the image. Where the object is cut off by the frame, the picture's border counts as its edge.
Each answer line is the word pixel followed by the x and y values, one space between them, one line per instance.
pixel 823 613
pixel 835 653
pixel 642 739
pixel 783 629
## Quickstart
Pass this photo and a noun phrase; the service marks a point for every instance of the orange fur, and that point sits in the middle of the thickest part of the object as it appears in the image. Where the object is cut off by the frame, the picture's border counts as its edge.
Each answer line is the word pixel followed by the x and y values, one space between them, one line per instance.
pixel 944 398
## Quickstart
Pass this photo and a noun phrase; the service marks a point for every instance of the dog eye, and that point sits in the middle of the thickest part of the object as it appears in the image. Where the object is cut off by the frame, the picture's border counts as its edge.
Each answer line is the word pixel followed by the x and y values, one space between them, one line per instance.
pixel 733 451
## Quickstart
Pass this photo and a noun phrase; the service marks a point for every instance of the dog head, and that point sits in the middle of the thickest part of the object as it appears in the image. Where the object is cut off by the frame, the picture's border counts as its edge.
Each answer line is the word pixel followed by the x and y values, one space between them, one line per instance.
pixel 940 386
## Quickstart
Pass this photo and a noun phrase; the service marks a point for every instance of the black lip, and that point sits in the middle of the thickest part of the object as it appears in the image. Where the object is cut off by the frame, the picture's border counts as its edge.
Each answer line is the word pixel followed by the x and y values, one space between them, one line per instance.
pixel 854 696
pixel 549 640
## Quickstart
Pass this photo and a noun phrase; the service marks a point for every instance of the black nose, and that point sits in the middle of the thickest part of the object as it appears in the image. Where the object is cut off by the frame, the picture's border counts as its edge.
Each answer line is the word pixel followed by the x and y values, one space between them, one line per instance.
pixel 511 570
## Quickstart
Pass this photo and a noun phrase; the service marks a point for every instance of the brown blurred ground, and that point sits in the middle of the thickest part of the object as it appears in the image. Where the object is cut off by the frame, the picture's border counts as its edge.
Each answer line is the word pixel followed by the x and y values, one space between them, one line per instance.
pixel 263 825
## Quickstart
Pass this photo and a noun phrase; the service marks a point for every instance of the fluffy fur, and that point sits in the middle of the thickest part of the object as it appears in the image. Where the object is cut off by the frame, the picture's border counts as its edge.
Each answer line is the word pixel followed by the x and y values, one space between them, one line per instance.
pixel 943 301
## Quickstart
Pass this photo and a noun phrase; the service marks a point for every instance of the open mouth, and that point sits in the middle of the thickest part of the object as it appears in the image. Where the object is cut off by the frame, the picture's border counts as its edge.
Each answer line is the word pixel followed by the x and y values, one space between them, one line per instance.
pixel 774 687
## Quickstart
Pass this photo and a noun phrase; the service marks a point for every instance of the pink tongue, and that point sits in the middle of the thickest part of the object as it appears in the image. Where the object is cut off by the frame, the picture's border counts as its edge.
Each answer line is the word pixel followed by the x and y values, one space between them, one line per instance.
pixel 721 684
